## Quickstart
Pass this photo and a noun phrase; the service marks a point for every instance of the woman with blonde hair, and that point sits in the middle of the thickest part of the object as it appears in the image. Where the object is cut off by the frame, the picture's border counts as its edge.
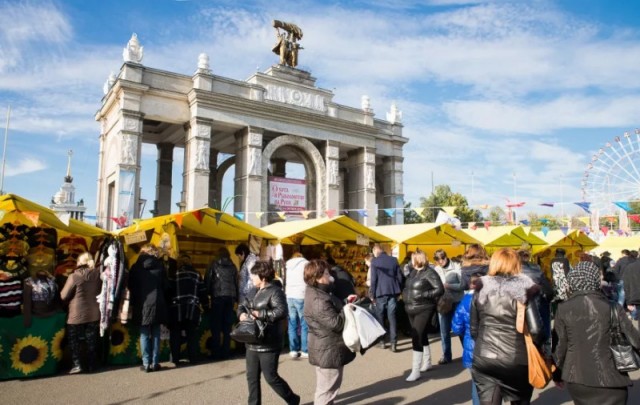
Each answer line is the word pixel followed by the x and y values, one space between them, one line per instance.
pixel 80 291
pixel 422 290
pixel 500 362
pixel 475 262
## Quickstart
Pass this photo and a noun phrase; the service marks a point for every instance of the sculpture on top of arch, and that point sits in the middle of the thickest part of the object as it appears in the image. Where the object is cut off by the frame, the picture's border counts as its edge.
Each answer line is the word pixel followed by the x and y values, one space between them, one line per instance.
pixel 287 45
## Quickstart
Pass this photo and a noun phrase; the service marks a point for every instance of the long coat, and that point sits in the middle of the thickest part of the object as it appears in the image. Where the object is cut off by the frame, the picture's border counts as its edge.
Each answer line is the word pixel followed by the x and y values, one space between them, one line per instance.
pixel 148 287
pixel 324 316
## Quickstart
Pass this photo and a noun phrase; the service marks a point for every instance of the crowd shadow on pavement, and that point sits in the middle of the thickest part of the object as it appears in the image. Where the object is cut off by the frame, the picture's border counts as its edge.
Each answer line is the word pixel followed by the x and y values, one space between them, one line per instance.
pixel 364 394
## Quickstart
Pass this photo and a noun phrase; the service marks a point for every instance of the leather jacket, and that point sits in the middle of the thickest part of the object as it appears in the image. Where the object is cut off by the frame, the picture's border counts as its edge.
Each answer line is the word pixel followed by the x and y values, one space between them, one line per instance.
pixel 422 290
pixel 582 353
pixel 222 279
pixel 493 319
pixel 271 304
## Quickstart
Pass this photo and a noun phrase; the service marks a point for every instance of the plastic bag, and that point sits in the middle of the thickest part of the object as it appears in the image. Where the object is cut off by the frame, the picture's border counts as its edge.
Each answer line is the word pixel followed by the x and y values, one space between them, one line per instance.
pixel 350 331
pixel 369 330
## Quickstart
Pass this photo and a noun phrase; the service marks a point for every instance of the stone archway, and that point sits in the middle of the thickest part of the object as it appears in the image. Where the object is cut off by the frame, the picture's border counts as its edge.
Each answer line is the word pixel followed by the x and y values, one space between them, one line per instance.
pixel 220 172
pixel 314 167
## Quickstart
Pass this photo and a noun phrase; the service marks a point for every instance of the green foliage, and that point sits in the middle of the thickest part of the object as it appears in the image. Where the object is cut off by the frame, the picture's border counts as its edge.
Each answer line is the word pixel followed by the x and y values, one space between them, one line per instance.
pixel 410 216
pixel 538 221
pixel 496 215
pixel 442 196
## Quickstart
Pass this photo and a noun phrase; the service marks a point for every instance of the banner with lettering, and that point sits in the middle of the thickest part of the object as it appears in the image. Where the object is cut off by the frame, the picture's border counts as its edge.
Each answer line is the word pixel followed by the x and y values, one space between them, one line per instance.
pixel 289 195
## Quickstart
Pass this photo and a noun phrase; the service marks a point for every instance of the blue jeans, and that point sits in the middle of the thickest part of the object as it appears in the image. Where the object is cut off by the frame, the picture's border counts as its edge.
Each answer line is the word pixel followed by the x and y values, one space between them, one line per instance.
pixel 150 344
pixel 297 342
pixel 445 331
pixel 387 303
pixel 475 398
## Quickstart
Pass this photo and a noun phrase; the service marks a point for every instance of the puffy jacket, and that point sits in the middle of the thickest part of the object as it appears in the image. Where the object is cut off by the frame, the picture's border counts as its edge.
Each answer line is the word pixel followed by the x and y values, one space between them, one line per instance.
pixel 467 271
pixel 422 290
pixel 325 319
pixel 493 319
pixel 582 353
pixel 460 325
pixel 222 279
pixel 451 275
pixel 271 304
pixel 148 287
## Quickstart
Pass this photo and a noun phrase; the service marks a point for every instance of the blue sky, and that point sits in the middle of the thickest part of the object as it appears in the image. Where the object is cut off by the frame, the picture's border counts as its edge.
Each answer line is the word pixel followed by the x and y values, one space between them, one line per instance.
pixel 491 88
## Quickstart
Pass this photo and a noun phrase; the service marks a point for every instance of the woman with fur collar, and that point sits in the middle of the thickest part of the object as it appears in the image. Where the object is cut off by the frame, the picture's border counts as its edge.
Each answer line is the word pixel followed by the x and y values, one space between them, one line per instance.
pixel 500 363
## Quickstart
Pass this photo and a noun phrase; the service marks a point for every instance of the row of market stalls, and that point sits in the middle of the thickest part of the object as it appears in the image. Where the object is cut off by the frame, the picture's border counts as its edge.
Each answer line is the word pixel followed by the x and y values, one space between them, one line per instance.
pixel 38 349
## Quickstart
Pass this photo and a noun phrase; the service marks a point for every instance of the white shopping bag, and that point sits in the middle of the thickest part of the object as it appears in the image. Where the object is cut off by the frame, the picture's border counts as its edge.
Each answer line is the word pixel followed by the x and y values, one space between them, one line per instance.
pixel 369 330
pixel 350 331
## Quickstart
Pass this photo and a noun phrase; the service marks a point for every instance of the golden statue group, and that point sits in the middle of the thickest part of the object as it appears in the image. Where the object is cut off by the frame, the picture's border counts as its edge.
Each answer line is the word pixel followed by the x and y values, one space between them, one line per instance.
pixel 287 45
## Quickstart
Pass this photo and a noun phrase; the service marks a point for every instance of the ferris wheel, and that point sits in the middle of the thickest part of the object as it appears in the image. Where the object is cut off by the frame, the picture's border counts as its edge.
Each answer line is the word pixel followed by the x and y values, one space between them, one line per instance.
pixel 613 175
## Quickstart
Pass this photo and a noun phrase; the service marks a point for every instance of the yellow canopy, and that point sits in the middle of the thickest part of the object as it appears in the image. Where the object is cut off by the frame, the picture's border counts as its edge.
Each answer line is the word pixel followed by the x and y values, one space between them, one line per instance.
pixel 575 239
pixel 205 222
pixel 428 237
pixel 497 237
pixel 15 208
pixel 614 245
pixel 339 229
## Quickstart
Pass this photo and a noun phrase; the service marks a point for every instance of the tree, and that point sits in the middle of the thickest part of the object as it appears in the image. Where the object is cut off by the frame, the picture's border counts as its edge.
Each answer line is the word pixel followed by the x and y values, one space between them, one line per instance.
pixel 410 216
pixel 496 215
pixel 442 196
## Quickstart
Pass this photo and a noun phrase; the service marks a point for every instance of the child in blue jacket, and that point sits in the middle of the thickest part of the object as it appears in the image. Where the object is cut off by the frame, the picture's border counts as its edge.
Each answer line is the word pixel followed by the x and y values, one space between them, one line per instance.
pixel 461 326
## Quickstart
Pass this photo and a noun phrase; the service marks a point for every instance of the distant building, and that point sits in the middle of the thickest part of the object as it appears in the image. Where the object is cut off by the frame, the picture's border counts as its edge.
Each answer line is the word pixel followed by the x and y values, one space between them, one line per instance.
pixel 64 201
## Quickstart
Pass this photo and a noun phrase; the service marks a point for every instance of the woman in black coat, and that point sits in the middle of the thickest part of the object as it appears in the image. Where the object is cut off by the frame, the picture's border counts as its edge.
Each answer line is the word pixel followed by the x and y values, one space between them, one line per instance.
pixel 422 290
pixel 500 363
pixel 267 304
pixel 582 353
pixel 325 319
pixel 148 288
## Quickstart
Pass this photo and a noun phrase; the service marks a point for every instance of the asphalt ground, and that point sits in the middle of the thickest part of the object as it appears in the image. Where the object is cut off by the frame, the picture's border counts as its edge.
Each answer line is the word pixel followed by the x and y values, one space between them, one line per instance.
pixel 377 377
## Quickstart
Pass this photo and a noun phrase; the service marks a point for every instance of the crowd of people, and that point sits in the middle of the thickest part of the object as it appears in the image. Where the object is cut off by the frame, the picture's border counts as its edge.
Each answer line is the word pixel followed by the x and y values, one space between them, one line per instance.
pixel 487 301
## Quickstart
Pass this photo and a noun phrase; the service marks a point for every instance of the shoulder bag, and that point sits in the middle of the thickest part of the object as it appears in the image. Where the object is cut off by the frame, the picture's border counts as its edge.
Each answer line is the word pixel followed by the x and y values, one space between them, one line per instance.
pixel 540 369
pixel 249 331
pixel 623 354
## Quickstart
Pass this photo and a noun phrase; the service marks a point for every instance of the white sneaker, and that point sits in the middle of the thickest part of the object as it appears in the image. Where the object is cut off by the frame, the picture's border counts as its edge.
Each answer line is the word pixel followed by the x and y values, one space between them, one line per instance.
pixel 304 355
pixel 294 355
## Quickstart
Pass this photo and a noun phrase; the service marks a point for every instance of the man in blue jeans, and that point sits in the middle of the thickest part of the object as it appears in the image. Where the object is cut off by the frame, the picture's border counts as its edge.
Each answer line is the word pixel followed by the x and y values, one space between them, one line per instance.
pixel 386 282
pixel 294 288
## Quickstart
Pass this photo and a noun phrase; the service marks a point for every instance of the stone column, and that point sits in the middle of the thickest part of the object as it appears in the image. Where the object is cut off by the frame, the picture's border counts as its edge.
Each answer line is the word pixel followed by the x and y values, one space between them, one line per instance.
pixel 197 163
pixel 279 167
pixel 362 185
pixel 332 165
pixel 248 181
pixel 162 204
pixel 214 192
pixel 393 196
pixel 127 183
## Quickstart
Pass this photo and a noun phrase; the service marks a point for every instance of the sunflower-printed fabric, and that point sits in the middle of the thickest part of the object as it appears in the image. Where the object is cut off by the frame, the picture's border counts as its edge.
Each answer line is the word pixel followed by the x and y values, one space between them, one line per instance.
pixel 33 351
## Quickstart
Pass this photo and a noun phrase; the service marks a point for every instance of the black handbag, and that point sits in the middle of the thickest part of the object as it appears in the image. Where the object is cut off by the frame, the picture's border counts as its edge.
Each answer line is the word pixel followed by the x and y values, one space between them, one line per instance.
pixel 623 353
pixel 249 331
pixel 445 303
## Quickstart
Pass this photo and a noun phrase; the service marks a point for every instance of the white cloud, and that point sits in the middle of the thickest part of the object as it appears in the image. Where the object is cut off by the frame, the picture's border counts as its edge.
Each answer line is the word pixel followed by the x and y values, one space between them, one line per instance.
pixel 24 166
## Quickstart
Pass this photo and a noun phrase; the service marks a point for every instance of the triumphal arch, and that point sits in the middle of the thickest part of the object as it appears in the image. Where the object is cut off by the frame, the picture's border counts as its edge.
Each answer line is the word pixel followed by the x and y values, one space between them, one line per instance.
pixel 353 161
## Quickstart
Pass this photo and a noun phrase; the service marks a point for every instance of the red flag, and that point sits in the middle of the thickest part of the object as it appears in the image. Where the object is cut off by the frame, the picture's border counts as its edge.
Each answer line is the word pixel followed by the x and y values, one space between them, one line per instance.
pixel 635 218
pixel 178 219
pixel 515 205
pixel 604 230
pixel 199 216
pixel 330 213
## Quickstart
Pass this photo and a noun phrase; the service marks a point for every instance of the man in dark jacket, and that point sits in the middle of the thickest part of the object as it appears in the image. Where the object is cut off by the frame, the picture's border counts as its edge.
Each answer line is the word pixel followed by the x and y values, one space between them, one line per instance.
pixel 343 285
pixel 543 300
pixel 631 283
pixel 386 282
pixel 222 285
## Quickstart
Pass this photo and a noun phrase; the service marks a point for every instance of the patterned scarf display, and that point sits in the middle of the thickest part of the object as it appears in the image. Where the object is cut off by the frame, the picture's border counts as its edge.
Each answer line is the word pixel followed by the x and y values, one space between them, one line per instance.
pixel 584 277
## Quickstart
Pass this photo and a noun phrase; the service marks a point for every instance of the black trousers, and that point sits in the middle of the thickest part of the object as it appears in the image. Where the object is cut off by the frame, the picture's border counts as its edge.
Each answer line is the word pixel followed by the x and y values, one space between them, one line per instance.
pixel 267 363
pixel 419 324
pixel 175 340
pixel 584 395
pixel 89 331
pixel 222 318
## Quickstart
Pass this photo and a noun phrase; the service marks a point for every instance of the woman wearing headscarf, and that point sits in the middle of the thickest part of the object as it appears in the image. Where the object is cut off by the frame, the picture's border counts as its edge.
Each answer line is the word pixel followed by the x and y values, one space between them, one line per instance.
pixel 500 364
pixel 323 312
pixel 582 354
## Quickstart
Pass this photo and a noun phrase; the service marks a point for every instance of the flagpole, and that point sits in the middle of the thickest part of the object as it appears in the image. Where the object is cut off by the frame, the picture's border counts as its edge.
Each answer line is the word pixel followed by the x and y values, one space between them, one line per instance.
pixel 4 151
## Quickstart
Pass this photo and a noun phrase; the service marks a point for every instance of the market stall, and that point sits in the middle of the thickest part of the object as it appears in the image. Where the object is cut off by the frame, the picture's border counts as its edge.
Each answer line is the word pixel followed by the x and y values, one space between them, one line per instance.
pixel 573 242
pixel 429 237
pixel 199 233
pixel 496 237
pixel 35 245
pixel 346 240
pixel 614 245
